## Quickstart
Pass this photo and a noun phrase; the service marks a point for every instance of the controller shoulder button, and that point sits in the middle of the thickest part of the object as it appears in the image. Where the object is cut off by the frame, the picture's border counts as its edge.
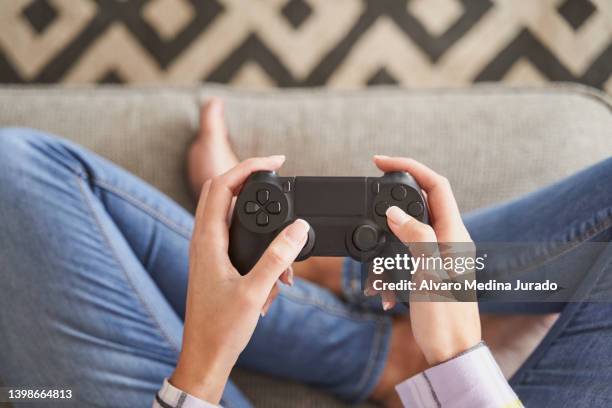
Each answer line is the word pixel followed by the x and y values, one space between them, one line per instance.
pixel 274 207
pixel 415 209
pixel 381 208
pixel 262 219
pixel 399 193
pixel 251 207
pixel 263 196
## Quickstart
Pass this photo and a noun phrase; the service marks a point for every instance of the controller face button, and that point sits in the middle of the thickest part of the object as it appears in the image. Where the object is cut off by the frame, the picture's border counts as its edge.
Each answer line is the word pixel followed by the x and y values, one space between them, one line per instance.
pixel 399 193
pixel 415 208
pixel 251 207
pixel 365 237
pixel 263 196
pixel 274 207
pixel 376 187
pixel 381 208
pixel 262 219
pixel 287 186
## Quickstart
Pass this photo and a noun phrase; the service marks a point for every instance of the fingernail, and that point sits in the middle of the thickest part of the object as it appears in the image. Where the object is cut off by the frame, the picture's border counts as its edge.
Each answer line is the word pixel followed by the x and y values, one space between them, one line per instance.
pixel 386 305
pixel 380 156
pixel 277 157
pixel 396 215
pixel 298 231
pixel 262 313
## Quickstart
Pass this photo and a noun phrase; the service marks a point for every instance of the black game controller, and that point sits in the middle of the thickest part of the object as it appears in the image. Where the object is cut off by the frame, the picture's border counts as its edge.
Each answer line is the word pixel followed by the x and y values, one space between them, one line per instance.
pixel 346 214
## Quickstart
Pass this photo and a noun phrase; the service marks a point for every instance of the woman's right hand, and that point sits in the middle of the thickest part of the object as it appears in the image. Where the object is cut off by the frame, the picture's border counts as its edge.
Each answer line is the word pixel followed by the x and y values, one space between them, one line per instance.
pixel 223 307
pixel 442 330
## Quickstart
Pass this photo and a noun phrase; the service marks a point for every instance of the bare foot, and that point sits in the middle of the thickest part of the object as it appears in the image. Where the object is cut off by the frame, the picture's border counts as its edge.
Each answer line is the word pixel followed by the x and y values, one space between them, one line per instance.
pixel 324 271
pixel 403 361
pixel 211 153
pixel 512 338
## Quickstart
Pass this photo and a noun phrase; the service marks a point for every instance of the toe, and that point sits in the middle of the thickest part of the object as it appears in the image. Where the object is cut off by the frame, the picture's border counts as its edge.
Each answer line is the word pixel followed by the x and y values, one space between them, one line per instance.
pixel 212 122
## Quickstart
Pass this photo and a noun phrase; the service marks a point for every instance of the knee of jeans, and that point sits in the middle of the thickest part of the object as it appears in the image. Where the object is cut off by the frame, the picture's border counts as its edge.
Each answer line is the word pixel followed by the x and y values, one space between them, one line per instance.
pixel 23 148
pixel 608 164
pixel 26 155
pixel 18 144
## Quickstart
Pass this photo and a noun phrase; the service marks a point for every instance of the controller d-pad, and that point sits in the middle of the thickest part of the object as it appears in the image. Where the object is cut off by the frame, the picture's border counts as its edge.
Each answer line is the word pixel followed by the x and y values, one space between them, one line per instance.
pixel 262 219
pixel 251 207
pixel 274 207
pixel 264 207
pixel 263 196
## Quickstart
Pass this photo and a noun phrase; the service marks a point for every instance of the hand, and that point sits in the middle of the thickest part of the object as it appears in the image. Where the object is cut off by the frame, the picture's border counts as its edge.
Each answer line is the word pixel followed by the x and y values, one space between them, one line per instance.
pixel 442 330
pixel 223 307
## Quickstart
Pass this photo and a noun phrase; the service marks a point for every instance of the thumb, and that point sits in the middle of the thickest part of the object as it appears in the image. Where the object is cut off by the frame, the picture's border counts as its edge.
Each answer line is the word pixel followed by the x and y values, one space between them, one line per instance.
pixel 279 256
pixel 407 228
pixel 420 238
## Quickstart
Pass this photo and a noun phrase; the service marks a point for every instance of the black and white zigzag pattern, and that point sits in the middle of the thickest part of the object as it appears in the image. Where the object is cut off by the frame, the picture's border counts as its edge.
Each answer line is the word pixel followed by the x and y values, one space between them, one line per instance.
pixel 339 43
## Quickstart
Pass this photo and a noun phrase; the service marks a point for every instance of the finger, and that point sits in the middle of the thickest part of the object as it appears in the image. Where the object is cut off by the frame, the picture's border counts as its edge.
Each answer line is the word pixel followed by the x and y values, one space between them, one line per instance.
pixel 408 229
pixel 371 278
pixel 421 240
pixel 228 218
pixel 279 256
pixel 419 237
pixel 211 215
pixel 287 276
pixel 204 193
pixel 388 300
pixel 369 286
pixel 271 297
pixel 445 212
pixel 196 235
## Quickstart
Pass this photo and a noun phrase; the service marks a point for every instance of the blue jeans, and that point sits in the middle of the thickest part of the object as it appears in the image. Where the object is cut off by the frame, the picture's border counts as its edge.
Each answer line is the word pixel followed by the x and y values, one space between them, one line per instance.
pixel 94 273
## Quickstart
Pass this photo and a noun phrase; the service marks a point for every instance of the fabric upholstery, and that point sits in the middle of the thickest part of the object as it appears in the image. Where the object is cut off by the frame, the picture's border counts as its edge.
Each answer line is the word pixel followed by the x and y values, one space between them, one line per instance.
pixel 491 142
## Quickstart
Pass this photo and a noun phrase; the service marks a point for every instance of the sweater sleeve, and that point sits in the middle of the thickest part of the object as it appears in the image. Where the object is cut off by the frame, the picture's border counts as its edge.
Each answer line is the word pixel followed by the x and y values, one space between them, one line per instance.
pixel 171 397
pixel 471 380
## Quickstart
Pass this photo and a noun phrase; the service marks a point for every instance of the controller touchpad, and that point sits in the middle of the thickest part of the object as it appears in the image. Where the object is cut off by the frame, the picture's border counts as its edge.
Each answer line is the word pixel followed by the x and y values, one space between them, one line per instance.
pixel 316 196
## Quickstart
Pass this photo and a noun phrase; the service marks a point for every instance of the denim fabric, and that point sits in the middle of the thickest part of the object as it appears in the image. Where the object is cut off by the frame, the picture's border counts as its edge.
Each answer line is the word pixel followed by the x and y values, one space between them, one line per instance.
pixel 94 267
pixel 94 275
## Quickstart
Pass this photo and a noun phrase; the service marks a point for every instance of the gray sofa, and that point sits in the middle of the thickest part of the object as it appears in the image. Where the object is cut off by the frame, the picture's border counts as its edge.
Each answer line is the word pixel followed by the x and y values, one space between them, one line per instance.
pixel 493 143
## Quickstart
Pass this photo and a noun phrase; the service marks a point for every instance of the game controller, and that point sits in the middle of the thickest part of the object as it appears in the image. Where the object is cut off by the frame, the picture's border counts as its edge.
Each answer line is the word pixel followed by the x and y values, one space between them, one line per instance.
pixel 346 214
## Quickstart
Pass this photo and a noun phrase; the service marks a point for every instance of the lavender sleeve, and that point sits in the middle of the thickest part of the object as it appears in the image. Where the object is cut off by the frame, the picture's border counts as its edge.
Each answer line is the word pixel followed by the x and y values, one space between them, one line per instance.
pixel 171 397
pixel 472 379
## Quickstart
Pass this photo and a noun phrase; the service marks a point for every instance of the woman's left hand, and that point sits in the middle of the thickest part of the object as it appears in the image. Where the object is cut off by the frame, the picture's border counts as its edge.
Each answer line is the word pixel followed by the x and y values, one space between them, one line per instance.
pixel 223 307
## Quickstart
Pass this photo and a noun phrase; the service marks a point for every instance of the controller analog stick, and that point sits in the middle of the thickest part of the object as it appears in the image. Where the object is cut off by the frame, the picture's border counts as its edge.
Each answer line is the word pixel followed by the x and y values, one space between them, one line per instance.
pixel 365 237
pixel 308 246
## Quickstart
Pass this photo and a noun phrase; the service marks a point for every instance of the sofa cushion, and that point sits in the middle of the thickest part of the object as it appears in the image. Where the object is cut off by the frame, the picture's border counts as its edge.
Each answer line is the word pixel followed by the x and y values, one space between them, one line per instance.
pixel 492 142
